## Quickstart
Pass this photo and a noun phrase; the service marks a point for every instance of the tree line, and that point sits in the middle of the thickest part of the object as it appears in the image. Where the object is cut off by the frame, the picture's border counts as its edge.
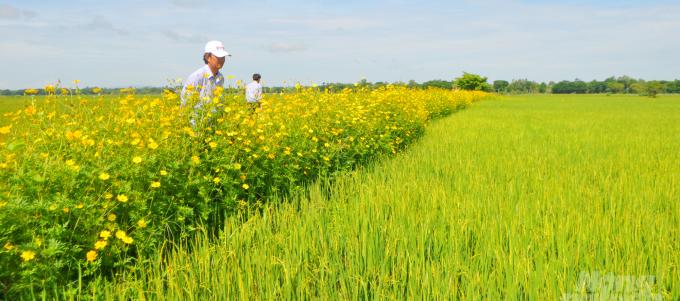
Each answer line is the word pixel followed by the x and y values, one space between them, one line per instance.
pixel 611 85
pixel 468 81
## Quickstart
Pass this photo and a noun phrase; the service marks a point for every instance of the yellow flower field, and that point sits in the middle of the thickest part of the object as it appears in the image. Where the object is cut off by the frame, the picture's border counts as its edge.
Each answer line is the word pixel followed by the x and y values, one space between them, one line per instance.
pixel 102 180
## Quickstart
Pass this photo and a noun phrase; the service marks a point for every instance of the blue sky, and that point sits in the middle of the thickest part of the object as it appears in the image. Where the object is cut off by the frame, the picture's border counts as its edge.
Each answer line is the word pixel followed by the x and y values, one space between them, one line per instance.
pixel 138 43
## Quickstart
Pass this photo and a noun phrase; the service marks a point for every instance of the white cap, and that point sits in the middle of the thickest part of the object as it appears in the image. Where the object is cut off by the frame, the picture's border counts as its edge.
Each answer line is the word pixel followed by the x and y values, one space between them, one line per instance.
pixel 216 48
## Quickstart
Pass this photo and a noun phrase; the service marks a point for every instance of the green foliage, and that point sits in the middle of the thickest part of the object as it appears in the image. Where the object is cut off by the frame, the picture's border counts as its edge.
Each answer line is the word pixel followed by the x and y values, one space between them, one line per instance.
pixel 472 82
pixel 523 86
pixel 568 87
pixel 500 86
pixel 615 87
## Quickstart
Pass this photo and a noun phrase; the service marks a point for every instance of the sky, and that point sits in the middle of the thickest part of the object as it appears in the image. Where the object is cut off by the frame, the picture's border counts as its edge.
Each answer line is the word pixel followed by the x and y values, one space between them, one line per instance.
pixel 152 43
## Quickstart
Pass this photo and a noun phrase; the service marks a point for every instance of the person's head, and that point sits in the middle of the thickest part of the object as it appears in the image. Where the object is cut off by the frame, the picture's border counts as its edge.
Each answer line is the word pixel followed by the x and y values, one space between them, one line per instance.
pixel 256 77
pixel 215 55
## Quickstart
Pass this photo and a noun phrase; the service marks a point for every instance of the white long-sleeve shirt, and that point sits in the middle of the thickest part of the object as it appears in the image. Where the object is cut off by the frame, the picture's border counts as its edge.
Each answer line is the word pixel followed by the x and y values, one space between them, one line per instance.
pixel 253 92
pixel 204 80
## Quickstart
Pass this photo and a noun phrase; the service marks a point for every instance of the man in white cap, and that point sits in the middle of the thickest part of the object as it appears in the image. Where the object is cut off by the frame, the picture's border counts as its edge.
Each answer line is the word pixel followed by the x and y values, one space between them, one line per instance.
pixel 204 80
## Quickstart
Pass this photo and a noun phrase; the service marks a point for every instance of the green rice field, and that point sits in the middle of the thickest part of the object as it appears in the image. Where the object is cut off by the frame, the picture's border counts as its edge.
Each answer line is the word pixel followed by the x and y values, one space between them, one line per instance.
pixel 519 198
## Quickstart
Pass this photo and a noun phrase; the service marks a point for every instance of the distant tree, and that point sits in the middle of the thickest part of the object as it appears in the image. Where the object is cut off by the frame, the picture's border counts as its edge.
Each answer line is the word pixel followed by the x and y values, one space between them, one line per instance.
pixel 379 84
pixel 472 82
pixel 597 87
pixel 580 87
pixel 640 87
pixel 523 86
pixel 673 87
pixel 438 84
pixel 627 82
pixel 568 87
pixel 615 87
pixel 542 88
pixel 563 87
pixel 500 86
pixel 654 87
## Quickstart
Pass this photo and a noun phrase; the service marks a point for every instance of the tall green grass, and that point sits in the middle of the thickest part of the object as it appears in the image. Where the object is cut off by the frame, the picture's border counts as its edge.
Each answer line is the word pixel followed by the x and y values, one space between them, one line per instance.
pixel 510 199
pixel 12 103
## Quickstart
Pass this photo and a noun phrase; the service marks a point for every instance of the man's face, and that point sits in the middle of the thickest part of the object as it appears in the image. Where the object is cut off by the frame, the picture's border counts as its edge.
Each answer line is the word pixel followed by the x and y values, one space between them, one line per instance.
pixel 215 62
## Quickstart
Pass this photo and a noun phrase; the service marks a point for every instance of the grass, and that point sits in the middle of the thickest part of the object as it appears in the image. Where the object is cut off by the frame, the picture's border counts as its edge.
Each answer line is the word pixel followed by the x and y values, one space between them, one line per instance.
pixel 510 199
pixel 12 103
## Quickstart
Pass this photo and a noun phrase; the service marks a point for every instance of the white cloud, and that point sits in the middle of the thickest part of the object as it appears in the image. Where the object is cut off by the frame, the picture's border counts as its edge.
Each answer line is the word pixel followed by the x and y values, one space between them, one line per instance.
pixel 29 14
pixel 102 23
pixel 184 36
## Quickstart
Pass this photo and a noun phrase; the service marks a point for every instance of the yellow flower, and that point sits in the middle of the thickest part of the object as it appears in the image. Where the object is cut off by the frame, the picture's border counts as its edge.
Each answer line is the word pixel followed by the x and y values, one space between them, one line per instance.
pixel 245 186
pixel 111 217
pixel 30 111
pixel 27 255
pixel 38 242
pixel 120 234
pixel 237 166
pixel 80 206
pixel 141 223
pixel 9 246
pixel 137 159
pixel 91 256
pixel 195 159
pixel 66 210
pixel 155 184
pixel 105 234
pixel 153 145
pixel 213 144
pixel 100 244
pixel 70 162
pixel 31 91
pixel 122 198
pixel 104 176
pixel 5 129
pixel 49 89
pixel 164 173
pixel 217 180
pixel 108 196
